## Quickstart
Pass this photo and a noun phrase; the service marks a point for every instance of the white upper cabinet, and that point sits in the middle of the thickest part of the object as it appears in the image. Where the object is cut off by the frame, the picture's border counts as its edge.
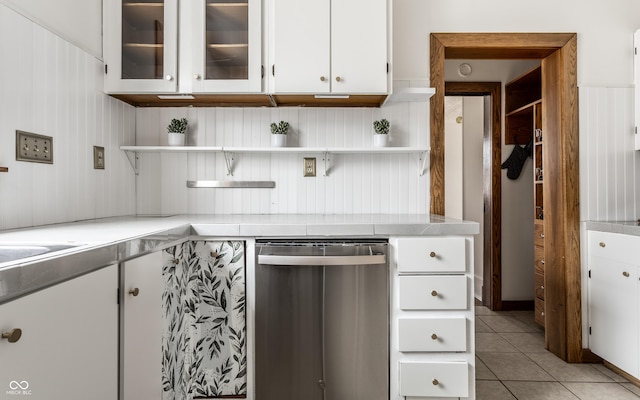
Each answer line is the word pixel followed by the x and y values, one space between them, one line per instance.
pixel 329 47
pixel 196 46
pixel 141 46
pixel 226 45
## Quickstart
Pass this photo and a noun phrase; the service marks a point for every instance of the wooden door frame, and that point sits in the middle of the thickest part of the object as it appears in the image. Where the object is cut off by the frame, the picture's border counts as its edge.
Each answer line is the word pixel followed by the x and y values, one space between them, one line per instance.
pixel 563 306
pixel 492 186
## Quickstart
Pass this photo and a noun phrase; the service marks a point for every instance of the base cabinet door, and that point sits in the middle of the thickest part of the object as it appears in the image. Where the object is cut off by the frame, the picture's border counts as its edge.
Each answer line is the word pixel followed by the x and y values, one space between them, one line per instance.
pixel 613 313
pixel 69 343
pixel 141 318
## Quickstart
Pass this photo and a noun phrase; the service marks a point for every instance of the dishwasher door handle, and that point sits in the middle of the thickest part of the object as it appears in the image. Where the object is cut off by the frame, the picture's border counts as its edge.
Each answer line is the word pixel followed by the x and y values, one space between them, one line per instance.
pixel 321 260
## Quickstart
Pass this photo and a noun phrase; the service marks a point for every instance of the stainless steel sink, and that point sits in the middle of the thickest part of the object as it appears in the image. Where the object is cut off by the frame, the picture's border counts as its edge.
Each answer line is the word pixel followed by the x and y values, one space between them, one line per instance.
pixel 13 252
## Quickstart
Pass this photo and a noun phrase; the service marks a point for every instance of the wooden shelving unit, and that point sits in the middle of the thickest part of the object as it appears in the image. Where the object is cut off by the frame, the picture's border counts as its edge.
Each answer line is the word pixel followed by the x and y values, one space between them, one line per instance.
pixel 523 123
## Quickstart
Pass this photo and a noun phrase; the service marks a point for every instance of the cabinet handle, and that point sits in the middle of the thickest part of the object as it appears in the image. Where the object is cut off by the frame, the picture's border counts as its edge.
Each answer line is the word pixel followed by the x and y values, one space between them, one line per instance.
pixel 168 78
pixel 214 254
pixel 13 335
pixel 542 236
pixel 338 79
pixel 434 336
pixel 602 244
pixel 134 292
pixel 435 382
pixel 434 293
pixel 625 274
pixel 322 78
pixel 542 262
pixel 196 77
pixel 176 261
pixel 432 254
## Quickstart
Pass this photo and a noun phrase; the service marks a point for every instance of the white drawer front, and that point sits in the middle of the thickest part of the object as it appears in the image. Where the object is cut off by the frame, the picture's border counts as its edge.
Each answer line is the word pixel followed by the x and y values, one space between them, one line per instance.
pixel 433 292
pixel 432 255
pixel 445 379
pixel 615 246
pixel 432 334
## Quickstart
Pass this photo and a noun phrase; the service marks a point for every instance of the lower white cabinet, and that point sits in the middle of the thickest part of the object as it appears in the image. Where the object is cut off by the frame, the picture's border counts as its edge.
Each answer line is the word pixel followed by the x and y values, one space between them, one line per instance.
pixel 69 343
pixel 432 318
pixel 141 319
pixel 614 299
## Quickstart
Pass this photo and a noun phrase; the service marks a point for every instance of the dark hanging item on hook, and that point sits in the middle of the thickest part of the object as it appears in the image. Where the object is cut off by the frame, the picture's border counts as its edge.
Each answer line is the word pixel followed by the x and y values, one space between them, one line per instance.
pixel 516 160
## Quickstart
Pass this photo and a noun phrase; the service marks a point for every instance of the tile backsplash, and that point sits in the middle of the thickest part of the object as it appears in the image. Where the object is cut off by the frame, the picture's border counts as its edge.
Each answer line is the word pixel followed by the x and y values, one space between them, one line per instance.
pixel 355 183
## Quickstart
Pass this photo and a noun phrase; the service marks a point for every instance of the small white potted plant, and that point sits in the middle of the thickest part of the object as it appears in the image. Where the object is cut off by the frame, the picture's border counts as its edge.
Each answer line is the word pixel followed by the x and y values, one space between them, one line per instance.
pixel 381 137
pixel 279 134
pixel 177 130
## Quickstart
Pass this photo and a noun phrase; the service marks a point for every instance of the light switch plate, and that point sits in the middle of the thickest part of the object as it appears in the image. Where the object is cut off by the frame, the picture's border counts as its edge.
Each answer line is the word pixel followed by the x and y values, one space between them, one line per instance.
pixel 32 147
pixel 98 157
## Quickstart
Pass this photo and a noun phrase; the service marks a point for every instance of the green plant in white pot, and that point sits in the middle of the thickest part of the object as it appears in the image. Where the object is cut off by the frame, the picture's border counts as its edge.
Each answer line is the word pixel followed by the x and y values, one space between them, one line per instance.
pixel 177 131
pixel 279 134
pixel 381 137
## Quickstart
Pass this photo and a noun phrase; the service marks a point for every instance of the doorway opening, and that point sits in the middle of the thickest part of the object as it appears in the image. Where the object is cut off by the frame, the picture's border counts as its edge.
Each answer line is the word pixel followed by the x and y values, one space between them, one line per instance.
pixel 557 52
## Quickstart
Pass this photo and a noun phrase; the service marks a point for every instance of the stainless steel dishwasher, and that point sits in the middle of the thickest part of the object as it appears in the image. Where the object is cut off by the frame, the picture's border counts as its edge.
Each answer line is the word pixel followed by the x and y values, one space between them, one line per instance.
pixel 322 320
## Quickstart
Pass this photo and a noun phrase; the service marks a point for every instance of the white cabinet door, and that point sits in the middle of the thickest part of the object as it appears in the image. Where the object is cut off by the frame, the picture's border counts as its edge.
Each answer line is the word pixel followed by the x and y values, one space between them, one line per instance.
pixel 69 344
pixel 300 46
pixel 141 46
pixel 225 42
pixel 613 313
pixel 323 46
pixel 141 317
pixel 359 46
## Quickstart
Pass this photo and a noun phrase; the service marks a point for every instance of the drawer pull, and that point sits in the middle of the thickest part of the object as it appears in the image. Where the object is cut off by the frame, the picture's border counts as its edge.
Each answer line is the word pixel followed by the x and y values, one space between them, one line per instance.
pixel 214 254
pixel 432 254
pixel 542 262
pixel 602 244
pixel 434 293
pixel 625 274
pixel 134 292
pixel 13 335
pixel 435 382
pixel 542 236
pixel 434 336
pixel 542 287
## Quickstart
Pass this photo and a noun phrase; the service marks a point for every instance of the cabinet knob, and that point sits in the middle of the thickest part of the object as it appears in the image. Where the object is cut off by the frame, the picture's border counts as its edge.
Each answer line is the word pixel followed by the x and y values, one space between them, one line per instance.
pixel 168 78
pixel 196 77
pixel 542 235
pixel 13 335
pixel 322 78
pixel 176 261
pixel 602 244
pixel 625 274
pixel 134 292
pixel 542 262
pixel 542 287
pixel 434 293
pixel 435 382
pixel 338 79
pixel 432 254
pixel 434 336
pixel 214 254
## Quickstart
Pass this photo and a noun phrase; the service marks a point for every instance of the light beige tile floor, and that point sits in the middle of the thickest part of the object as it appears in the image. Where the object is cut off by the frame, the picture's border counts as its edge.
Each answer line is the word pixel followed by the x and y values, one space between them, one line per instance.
pixel 512 363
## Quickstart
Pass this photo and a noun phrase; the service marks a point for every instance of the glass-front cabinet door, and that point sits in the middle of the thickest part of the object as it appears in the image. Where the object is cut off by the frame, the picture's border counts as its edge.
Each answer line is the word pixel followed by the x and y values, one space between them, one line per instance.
pixel 227 46
pixel 141 46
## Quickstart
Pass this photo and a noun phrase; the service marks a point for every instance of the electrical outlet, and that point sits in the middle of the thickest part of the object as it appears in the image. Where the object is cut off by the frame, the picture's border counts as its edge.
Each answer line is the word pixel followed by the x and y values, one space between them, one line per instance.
pixel 98 157
pixel 309 166
pixel 32 147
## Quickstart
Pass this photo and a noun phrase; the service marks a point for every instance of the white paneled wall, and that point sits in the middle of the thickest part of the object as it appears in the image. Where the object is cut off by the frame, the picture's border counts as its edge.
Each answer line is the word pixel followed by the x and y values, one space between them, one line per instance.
pixel 50 87
pixel 356 183
pixel 608 162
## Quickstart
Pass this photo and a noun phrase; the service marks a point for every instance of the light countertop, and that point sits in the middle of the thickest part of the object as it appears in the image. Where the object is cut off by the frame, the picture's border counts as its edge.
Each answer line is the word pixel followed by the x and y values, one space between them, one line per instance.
pixel 626 227
pixel 101 242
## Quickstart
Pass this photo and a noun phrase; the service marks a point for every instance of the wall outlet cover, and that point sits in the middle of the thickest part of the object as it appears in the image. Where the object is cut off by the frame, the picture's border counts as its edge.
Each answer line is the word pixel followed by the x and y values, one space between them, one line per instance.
pixel 309 167
pixel 98 157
